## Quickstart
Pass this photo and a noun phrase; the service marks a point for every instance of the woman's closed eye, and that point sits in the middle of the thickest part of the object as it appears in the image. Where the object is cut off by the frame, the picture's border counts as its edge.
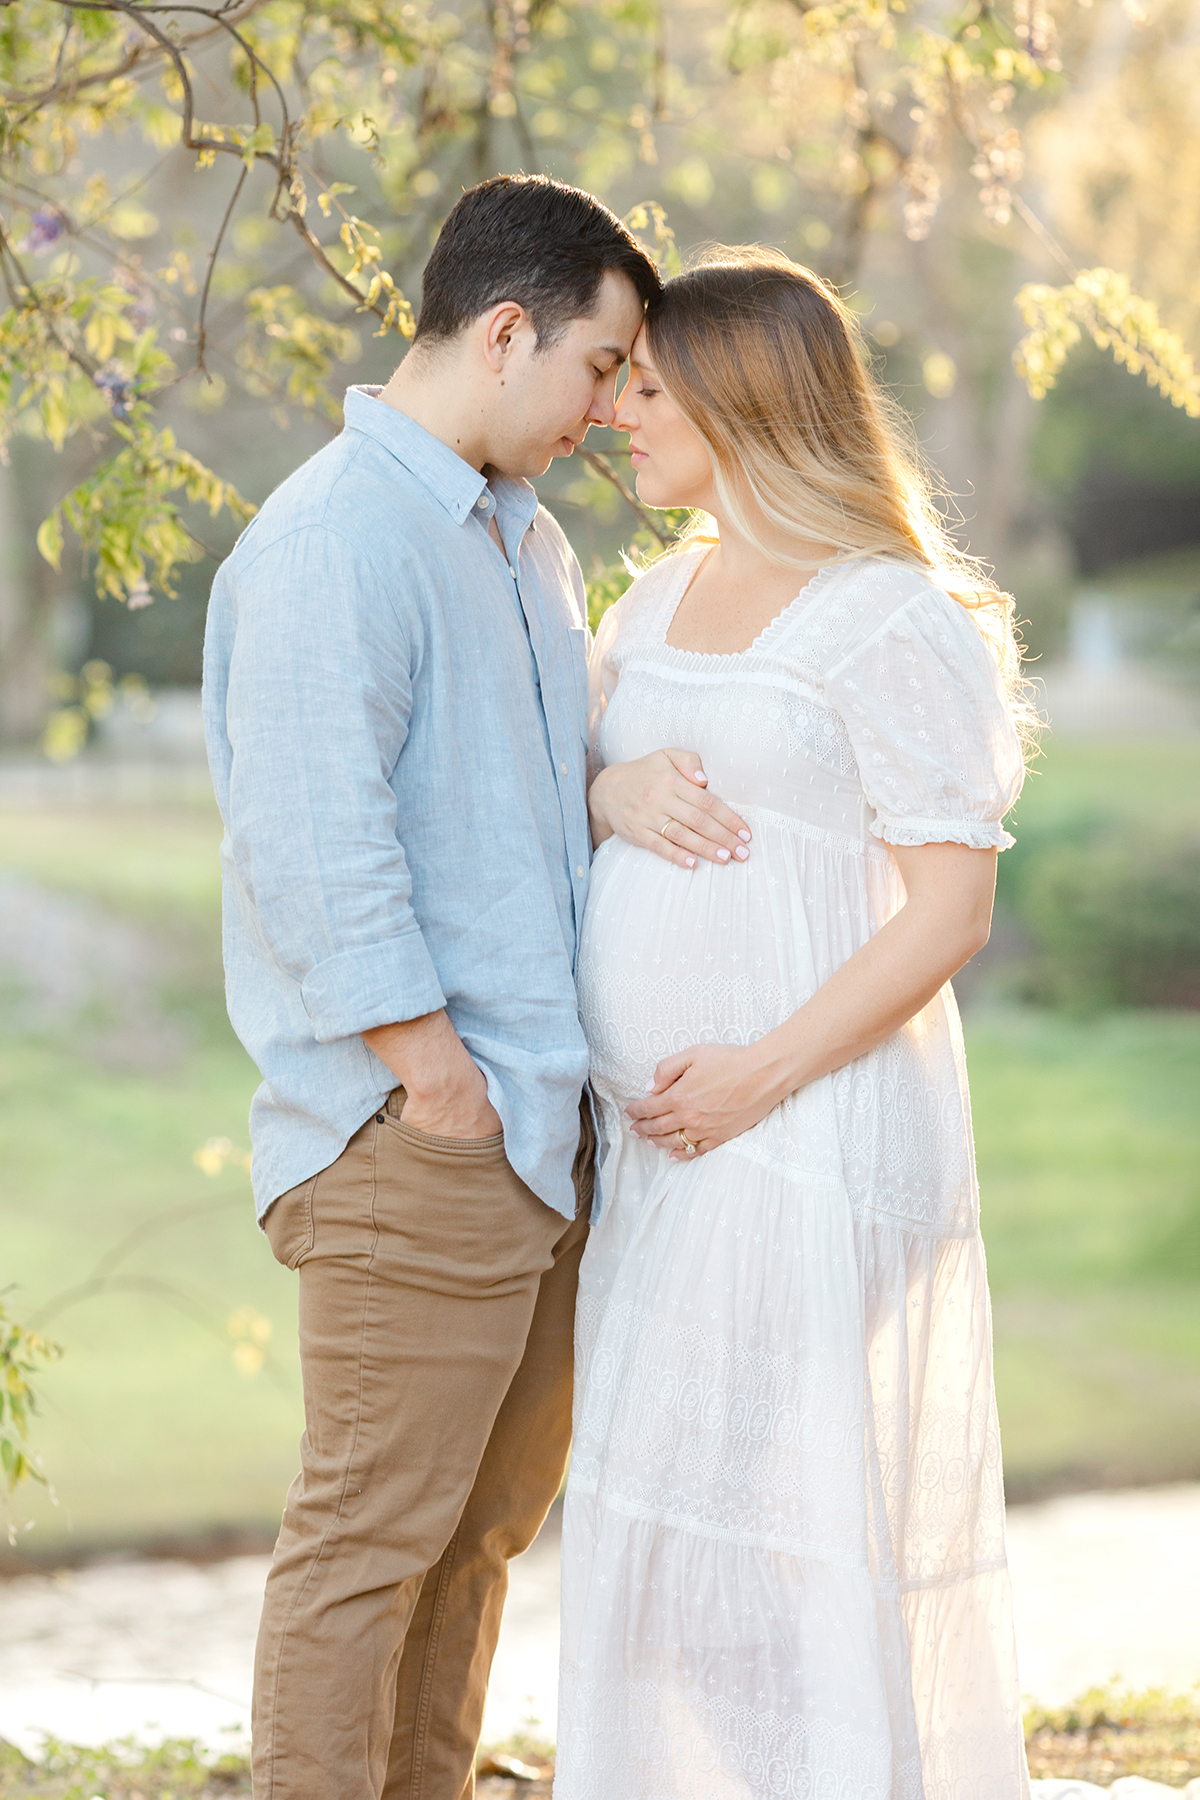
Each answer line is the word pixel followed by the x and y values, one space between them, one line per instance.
pixel 646 393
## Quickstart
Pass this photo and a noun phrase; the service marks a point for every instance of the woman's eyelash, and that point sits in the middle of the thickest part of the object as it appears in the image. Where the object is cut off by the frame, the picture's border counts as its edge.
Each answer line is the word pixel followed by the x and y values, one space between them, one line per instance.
pixel 646 392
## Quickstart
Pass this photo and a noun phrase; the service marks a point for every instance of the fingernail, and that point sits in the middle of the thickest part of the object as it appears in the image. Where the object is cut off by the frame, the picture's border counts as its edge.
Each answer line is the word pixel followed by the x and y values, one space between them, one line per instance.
pixel 650 1085
pixel 741 853
pixel 691 862
pixel 744 835
pixel 699 775
pixel 722 856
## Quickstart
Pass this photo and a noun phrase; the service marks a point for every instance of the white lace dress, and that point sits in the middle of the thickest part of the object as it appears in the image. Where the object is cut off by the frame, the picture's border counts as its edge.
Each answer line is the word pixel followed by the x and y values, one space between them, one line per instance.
pixel 783 1552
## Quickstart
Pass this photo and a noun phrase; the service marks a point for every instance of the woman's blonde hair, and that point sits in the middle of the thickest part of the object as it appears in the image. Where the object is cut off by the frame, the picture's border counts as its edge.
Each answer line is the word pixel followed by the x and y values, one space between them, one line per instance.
pixel 767 364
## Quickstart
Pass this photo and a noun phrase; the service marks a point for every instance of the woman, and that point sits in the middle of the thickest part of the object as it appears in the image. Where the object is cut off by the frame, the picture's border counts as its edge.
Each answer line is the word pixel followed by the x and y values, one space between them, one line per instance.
pixel 784 1567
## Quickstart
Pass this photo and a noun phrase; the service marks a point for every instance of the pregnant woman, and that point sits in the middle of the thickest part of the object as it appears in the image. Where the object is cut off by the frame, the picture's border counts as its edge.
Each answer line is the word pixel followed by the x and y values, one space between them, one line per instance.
pixel 784 1567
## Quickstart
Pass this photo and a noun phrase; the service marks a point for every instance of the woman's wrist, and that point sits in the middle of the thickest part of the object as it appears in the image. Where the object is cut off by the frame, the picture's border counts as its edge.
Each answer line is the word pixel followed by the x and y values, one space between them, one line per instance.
pixel 779 1064
pixel 597 818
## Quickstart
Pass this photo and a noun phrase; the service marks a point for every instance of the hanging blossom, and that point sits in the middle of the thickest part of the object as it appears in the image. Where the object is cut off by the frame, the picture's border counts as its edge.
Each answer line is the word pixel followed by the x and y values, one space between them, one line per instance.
pixel 45 228
pixel 114 383
pixel 998 166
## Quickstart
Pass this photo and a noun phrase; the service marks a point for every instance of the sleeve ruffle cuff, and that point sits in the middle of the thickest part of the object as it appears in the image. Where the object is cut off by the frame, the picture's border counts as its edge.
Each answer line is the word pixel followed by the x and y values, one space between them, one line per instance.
pixel 975 834
pixel 376 984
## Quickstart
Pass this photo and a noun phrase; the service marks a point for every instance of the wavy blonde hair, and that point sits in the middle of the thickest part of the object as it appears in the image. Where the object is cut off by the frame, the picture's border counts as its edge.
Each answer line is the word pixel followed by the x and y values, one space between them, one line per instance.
pixel 767 364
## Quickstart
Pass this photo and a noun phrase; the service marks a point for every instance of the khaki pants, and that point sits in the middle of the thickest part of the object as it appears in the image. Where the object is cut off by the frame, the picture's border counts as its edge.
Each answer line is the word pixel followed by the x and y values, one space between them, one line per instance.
pixel 437 1298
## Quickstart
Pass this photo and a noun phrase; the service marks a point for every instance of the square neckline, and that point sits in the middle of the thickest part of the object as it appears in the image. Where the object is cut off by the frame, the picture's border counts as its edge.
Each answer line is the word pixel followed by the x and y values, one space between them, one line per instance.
pixel 674 597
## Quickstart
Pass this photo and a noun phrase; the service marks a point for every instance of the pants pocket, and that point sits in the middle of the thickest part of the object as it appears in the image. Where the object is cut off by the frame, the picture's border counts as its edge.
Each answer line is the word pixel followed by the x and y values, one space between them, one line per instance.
pixel 447 1143
pixel 288 1224
pixel 393 1116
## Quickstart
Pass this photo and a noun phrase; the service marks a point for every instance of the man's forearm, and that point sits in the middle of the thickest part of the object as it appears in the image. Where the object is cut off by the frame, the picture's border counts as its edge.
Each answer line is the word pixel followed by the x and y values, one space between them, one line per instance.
pixel 426 1055
pixel 445 1088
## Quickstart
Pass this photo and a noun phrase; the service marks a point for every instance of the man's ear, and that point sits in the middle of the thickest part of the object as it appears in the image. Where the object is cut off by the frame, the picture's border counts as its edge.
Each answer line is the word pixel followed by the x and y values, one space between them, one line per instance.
pixel 502 326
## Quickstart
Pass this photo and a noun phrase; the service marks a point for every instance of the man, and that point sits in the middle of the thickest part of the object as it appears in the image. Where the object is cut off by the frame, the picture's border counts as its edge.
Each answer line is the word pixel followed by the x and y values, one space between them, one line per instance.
pixel 395 707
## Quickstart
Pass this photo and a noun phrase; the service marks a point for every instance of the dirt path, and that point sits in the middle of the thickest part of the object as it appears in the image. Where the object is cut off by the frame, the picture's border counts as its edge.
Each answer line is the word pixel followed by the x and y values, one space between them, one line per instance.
pixel 1105 1584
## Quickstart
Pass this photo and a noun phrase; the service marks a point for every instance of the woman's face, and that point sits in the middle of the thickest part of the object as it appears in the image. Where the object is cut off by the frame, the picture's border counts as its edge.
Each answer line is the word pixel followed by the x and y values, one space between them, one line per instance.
pixel 669 458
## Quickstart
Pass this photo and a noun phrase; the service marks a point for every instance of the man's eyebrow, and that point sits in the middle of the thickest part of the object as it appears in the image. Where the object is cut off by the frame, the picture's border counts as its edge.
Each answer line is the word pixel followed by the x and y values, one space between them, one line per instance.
pixel 613 352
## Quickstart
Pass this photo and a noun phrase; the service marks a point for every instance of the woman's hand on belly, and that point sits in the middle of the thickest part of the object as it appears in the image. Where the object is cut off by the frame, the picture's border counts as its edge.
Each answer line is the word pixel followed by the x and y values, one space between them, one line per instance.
pixel 714 1092
pixel 661 802
pixel 710 1093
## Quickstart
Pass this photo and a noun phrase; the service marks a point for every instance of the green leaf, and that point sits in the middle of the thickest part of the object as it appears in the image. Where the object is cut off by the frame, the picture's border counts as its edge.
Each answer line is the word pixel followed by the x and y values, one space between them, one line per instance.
pixel 1102 303
pixel 50 539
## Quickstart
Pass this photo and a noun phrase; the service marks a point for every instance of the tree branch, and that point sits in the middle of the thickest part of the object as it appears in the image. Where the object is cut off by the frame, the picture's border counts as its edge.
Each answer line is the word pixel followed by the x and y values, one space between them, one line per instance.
pixel 9 255
pixel 318 251
pixel 600 465
pixel 201 334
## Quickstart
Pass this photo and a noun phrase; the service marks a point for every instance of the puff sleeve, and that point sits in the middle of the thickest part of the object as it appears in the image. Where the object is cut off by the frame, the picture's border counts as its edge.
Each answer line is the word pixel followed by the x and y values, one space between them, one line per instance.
pixel 933 732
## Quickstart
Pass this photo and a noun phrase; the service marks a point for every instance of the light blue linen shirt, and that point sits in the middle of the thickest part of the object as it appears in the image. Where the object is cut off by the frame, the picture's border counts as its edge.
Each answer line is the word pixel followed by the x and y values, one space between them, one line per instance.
pixel 396 721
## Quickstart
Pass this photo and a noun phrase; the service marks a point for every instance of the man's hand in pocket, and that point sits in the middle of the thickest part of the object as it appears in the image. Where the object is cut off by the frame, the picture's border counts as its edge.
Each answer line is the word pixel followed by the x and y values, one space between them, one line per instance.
pixel 445 1089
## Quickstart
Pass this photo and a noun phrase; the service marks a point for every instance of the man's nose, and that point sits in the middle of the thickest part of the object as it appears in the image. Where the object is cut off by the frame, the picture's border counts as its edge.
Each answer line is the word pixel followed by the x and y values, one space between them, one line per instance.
pixel 603 409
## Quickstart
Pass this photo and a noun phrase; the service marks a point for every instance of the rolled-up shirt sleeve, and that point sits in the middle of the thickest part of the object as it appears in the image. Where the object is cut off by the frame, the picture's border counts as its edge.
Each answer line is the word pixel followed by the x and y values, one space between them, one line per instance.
pixel 317 713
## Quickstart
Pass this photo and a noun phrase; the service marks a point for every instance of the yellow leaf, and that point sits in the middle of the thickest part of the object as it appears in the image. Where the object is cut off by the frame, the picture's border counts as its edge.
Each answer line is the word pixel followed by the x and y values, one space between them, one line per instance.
pixel 50 539
pixel 130 220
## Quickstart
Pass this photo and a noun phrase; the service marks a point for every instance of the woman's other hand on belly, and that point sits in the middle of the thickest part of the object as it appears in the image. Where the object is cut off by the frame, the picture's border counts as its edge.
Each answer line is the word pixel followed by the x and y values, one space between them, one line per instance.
pixel 661 803
pixel 714 1092
pixel 708 1094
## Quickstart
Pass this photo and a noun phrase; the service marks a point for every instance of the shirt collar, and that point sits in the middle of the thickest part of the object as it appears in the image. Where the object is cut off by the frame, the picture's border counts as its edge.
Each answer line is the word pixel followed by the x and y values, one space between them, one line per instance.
pixel 450 480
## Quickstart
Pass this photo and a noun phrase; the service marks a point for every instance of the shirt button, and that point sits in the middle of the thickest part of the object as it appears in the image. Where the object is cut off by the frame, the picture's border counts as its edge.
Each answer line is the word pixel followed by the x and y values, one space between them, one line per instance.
pixel 481 503
pixel 512 571
pixel 579 870
pixel 563 767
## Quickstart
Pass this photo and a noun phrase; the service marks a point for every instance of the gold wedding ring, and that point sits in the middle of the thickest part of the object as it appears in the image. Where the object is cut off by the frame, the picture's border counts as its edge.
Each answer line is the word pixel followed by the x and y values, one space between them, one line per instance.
pixel 662 830
pixel 687 1143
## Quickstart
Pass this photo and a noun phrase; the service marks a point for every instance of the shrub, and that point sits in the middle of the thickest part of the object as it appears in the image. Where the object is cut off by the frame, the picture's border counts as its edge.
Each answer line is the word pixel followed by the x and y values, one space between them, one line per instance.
pixel 1114 921
pixel 1108 1733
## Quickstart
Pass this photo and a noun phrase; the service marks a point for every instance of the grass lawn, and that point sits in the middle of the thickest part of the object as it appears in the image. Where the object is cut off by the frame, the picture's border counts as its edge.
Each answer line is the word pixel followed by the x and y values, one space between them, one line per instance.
pixel 1089 1154
pixel 1088 1140
pixel 1105 1734
pixel 148 1426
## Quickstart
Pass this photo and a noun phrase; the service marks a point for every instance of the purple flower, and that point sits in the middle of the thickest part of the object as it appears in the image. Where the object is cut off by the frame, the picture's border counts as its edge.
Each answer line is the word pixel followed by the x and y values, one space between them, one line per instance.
pixel 45 228
pixel 116 387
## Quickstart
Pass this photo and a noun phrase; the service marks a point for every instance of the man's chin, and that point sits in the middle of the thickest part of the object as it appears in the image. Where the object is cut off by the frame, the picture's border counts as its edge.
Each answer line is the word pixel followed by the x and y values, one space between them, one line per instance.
pixel 535 462
pixel 546 457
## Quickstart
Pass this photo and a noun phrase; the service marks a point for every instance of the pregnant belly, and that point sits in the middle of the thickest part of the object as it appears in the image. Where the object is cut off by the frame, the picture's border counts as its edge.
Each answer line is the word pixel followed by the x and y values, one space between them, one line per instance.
pixel 673 957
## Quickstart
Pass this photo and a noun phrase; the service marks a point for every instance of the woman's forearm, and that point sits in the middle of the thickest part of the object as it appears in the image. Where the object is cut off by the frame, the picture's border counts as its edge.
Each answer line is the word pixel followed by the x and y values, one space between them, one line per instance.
pixel 713 1092
pixel 891 978
pixel 601 828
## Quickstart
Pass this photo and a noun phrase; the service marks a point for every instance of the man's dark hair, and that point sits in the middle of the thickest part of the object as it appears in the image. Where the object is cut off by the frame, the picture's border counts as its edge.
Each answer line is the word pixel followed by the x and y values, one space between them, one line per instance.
pixel 533 240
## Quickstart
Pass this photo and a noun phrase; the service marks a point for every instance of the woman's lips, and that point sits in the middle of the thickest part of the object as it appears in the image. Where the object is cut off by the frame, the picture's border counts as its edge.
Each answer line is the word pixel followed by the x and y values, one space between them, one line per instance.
pixel 638 456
